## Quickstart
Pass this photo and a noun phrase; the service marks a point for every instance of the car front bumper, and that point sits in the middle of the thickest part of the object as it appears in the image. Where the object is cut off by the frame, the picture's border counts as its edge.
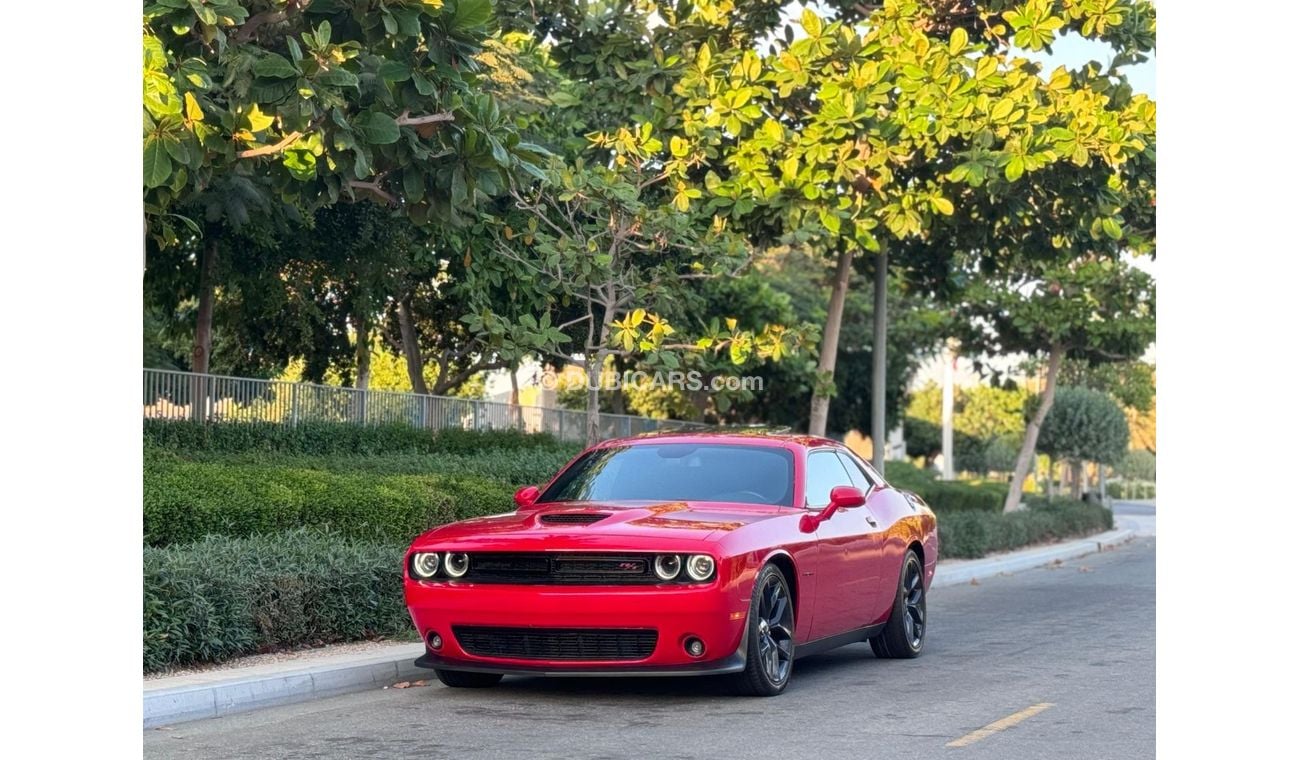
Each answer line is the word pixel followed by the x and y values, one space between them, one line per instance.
pixel 710 613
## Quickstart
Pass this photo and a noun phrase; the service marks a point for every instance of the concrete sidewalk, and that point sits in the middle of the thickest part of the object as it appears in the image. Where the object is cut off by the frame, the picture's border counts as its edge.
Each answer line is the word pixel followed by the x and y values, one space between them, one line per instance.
pixel 214 693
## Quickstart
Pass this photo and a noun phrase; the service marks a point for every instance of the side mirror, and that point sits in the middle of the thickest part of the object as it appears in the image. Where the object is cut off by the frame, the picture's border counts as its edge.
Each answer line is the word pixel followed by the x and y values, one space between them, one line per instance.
pixel 842 497
pixel 526 496
pixel 847 497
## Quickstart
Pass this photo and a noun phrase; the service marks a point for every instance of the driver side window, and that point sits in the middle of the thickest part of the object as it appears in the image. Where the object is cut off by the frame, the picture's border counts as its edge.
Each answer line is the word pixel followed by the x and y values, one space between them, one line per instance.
pixel 823 472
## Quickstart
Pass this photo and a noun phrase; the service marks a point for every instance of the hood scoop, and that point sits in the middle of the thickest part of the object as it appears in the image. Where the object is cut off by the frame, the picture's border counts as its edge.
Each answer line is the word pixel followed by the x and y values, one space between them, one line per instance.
pixel 573 518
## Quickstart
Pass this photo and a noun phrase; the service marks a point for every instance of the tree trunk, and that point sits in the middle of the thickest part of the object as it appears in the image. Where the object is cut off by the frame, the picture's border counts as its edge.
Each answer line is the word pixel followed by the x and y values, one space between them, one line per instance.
pixel 201 361
pixel 362 325
pixel 593 396
pixel 879 323
pixel 596 365
pixel 949 359
pixel 1076 480
pixel 1030 443
pixel 516 413
pixel 201 358
pixel 1051 479
pixel 821 404
pixel 411 348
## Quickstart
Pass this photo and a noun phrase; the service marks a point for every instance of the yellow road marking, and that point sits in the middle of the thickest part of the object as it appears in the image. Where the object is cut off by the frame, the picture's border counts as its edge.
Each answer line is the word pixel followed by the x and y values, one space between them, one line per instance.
pixel 1000 725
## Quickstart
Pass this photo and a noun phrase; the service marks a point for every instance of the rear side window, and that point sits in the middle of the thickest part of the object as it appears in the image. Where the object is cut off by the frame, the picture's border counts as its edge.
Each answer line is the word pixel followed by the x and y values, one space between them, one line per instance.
pixel 863 477
pixel 824 472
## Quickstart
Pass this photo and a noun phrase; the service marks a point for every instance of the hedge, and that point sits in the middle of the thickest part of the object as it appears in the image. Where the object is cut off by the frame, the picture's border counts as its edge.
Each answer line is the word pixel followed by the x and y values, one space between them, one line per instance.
pixel 187 500
pixel 225 597
pixel 327 438
pixel 514 467
pixel 969 535
pixel 947 495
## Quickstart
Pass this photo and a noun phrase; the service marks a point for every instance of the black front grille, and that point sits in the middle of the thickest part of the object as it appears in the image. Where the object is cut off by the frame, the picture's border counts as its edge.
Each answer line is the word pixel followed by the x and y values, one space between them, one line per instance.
pixel 557 643
pixel 574 518
pixel 561 568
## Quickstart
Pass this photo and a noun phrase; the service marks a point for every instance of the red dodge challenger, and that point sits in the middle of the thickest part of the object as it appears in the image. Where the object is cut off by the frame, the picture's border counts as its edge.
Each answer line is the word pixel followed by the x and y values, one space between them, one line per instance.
pixel 679 554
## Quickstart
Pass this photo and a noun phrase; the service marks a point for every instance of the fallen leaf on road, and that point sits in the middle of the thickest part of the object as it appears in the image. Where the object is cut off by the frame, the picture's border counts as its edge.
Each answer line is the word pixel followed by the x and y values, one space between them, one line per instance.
pixel 974 582
pixel 1085 569
pixel 420 683
pixel 401 684
pixel 1058 562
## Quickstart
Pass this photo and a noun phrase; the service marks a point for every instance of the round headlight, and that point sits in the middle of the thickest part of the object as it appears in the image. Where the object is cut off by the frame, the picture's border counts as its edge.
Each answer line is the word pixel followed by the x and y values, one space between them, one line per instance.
pixel 425 565
pixel 700 567
pixel 457 564
pixel 667 566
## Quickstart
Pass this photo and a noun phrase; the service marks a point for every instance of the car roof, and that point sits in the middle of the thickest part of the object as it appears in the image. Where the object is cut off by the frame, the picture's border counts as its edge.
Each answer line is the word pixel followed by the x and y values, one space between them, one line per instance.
pixel 747 437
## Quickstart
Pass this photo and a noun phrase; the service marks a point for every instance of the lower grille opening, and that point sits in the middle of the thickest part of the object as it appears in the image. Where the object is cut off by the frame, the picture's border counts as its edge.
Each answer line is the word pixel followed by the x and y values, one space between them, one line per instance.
pixel 558 643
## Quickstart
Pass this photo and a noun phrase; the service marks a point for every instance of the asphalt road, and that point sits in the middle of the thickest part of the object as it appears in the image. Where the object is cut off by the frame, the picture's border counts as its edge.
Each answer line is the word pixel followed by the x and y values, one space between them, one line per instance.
pixel 1057 662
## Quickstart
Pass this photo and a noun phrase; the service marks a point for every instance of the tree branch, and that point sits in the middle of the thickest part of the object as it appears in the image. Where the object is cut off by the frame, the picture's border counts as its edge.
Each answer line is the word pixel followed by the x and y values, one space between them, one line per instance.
pixel 258 20
pixel 407 120
pixel 375 188
pixel 267 150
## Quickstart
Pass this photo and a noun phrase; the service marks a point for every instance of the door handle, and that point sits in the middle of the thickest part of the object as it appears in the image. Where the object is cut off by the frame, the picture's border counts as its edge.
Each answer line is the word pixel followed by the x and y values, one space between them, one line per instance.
pixel 871 520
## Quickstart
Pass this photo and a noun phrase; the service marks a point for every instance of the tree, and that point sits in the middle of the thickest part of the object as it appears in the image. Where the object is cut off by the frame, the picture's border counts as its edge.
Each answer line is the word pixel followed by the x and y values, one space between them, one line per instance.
pixel 850 135
pixel 596 237
pixel 1084 425
pixel 1096 310
pixel 312 102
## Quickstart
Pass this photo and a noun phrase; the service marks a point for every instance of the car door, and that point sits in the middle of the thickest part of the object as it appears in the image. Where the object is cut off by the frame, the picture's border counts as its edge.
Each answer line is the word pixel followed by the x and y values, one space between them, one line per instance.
pixel 847 563
pixel 881 512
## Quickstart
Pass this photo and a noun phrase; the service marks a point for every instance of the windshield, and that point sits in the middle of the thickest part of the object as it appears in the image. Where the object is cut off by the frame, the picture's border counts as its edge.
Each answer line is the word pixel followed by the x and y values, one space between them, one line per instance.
pixel 679 472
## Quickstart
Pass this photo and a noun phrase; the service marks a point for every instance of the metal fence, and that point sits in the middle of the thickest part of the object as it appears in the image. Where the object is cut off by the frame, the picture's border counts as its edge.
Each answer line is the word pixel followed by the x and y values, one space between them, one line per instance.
pixel 172 395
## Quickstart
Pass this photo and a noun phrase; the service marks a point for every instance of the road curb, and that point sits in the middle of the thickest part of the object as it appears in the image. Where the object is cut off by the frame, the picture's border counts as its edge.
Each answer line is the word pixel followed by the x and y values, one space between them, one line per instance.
pixel 217 693
pixel 979 569
pixel 213 694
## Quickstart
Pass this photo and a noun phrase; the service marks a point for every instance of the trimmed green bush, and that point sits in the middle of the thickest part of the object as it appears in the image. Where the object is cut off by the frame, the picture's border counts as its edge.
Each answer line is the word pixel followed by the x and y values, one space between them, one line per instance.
pixel 223 597
pixel 514 467
pixel 946 495
pixel 326 438
pixel 972 534
pixel 187 500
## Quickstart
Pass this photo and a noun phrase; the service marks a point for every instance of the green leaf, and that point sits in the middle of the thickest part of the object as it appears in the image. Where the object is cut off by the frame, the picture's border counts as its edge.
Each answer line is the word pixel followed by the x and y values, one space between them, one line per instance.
pixel 274 66
pixel 394 71
pixel 942 205
pixel 957 41
pixel 811 23
pixel 1002 109
pixel 1015 168
pixel 157 166
pixel 337 78
pixel 469 14
pixel 1111 228
pixel 376 128
pixel 258 121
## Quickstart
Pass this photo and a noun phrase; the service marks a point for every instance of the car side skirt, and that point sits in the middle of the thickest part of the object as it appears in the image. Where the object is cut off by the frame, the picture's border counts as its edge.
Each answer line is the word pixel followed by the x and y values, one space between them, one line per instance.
pixel 836 641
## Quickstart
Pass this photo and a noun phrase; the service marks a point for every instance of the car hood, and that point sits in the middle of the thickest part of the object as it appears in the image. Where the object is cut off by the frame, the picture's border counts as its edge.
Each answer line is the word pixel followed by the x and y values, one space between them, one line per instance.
pixel 626 525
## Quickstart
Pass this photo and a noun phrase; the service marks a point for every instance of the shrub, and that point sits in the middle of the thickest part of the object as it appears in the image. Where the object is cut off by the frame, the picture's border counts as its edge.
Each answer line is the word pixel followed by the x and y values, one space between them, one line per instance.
pixel 971 534
pixel 327 438
pixel 224 597
pixel 946 495
pixel 516 467
pixel 1085 424
pixel 186 500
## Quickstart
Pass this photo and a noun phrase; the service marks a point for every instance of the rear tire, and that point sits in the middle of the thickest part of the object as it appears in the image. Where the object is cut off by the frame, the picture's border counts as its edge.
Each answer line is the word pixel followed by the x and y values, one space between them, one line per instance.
pixel 769 636
pixel 904 633
pixel 464 679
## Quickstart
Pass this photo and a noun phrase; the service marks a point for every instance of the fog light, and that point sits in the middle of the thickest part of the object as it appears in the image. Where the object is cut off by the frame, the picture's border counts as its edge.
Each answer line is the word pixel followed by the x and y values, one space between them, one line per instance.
pixel 694 647
pixel 435 641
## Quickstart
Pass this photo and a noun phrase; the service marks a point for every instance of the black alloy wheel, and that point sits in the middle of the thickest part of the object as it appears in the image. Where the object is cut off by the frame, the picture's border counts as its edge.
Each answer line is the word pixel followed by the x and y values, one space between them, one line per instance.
pixel 770 648
pixel 904 633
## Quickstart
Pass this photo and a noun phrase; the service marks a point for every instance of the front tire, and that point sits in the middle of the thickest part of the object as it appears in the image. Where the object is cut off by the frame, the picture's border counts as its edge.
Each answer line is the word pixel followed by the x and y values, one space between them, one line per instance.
pixel 769 649
pixel 463 679
pixel 904 633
